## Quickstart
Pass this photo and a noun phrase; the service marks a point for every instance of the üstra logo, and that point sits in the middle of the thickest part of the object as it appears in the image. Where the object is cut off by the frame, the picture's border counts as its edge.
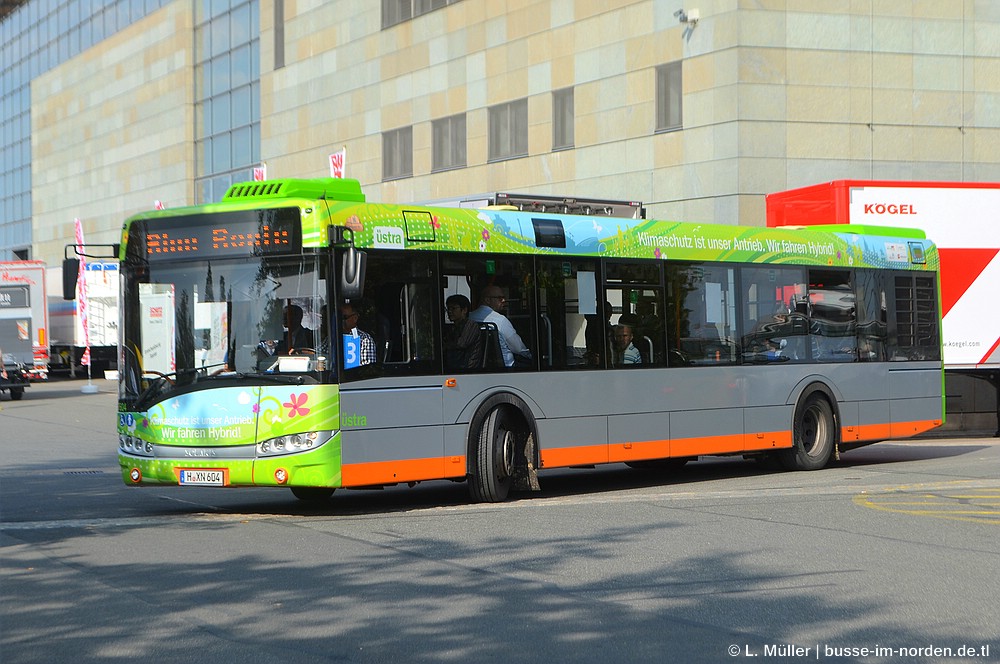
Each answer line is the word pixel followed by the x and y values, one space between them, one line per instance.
pixel 388 237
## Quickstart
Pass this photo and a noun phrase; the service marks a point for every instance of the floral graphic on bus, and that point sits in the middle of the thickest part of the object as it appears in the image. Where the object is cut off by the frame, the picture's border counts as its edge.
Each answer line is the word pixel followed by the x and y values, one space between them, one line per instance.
pixel 295 405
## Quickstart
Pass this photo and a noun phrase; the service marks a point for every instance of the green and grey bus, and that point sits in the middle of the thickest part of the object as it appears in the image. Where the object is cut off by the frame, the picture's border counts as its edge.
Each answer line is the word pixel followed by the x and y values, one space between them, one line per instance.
pixel 641 341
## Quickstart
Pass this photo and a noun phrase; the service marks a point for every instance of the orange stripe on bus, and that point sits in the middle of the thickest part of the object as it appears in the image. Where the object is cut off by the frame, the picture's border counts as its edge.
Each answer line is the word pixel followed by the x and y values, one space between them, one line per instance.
pixel 907 429
pixel 574 456
pixel 414 470
pixel 661 449
pixel 689 447
pixel 767 440
pixel 636 451
pixel 404 470
pixel 886 431
pixel 865 432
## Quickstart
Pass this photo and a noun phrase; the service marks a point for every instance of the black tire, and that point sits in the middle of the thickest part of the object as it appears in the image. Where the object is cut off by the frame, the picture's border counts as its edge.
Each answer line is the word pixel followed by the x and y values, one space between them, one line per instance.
pixel 16 393
pixel 312 494
pixel 814 434
pixel 494 457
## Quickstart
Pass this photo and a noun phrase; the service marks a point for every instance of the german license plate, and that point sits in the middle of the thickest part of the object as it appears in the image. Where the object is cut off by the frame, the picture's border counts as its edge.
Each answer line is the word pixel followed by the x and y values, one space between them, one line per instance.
pixel 203 477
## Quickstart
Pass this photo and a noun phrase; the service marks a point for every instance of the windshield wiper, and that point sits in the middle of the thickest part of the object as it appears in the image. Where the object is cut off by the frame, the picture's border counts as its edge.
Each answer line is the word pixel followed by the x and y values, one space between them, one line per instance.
pixel 287 379
pixel 160 380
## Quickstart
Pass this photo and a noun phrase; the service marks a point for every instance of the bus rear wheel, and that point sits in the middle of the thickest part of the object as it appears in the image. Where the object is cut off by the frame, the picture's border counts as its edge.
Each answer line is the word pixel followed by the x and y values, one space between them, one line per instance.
pixel 814 435
pixel 494 457
pixel 312 494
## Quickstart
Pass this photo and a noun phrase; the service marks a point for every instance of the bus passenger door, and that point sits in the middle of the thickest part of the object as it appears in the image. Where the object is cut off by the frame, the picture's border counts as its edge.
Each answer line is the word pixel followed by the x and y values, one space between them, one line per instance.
pixel 391 407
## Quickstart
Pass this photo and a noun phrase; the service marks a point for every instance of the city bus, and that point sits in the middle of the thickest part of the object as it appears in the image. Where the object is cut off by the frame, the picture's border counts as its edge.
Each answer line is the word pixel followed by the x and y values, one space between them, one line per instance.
pixel 788 345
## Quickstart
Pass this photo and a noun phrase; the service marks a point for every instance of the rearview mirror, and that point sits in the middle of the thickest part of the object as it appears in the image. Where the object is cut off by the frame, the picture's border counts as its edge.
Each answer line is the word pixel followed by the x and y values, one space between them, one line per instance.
pixel 70 273
pixel 352 274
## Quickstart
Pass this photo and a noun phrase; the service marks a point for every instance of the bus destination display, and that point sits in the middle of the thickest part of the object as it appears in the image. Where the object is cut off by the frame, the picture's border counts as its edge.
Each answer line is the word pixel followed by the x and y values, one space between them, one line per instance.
pixel 243 234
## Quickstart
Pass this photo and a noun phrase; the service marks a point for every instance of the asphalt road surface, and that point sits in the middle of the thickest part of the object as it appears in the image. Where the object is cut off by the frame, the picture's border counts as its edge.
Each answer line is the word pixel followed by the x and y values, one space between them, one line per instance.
pixel 890 555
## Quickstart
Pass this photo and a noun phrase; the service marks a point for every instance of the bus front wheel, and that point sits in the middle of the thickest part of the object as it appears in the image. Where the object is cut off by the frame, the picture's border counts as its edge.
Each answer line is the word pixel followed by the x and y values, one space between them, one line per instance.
pixel 494 457
pixel 814 435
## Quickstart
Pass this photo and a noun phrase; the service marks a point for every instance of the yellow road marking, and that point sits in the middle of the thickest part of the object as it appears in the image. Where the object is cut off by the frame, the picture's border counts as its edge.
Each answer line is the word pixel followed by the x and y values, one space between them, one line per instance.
pixel 946 500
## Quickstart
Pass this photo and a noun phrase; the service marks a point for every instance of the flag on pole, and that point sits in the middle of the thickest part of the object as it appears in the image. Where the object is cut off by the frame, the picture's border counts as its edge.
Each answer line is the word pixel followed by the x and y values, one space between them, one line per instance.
pixel 338 161
pixel 81 286
pixel 260 172
pixel 158 205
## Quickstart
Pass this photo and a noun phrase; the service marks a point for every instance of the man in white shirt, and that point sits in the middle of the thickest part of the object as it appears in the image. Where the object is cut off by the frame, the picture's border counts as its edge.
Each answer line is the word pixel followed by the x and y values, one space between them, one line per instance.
pixel 490 310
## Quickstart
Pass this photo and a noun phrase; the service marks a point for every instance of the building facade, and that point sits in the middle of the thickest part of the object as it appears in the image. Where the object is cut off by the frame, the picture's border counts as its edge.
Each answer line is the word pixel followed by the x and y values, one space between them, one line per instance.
pixel 697 108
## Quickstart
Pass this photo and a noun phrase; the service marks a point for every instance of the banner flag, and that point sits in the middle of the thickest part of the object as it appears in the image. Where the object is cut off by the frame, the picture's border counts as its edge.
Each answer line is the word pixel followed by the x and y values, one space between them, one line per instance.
pixel 338 162
pixel 81 288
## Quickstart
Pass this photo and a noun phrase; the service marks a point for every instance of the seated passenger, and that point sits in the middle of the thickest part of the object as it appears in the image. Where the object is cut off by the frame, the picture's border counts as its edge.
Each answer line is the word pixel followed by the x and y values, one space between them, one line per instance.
pixel 493 303
pixel 773 348
pixel 349 321
pixel 463 345
pixel 624 351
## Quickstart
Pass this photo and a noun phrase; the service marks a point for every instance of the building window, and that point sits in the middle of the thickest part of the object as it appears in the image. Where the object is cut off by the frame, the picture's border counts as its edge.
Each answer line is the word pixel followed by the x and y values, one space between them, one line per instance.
pixel 397 153
pixel 449 143
pixel 668 97
pixel 398 11
pixel 227 95
pixel 562 119
pixel 508 130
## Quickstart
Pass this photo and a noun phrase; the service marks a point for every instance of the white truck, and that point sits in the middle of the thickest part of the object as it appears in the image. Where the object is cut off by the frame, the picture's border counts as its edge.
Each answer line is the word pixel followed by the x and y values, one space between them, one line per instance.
pixel 24 326
pixel 67 339
pixel 963 219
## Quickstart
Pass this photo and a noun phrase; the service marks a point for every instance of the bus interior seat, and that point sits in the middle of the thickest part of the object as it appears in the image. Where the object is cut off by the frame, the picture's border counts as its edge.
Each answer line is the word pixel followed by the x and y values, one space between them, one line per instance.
pixel 492 355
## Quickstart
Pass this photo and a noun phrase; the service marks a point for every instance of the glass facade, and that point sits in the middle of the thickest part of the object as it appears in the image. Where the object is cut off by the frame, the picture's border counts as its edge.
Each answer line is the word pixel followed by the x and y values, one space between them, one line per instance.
pixel 40 35
pixel 227 95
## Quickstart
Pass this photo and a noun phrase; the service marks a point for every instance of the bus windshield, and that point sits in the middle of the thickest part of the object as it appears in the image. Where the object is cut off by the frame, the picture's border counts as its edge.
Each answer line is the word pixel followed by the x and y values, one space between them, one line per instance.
pixel 188 320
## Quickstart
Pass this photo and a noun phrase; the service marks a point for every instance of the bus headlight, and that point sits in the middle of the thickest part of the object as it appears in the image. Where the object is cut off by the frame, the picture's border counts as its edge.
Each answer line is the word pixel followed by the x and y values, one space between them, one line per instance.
pixel 293 443
pixel 134 445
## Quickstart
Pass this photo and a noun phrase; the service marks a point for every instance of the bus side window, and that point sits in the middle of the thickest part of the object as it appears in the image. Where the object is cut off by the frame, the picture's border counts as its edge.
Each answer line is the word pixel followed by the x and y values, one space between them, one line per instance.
pixel 634 292
pixel 507 281
pixel 568 328
pixel 872 315
pixel 914 332
pixel 832 310
pixel 770 301
pixel 401 314
pixel 702 299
